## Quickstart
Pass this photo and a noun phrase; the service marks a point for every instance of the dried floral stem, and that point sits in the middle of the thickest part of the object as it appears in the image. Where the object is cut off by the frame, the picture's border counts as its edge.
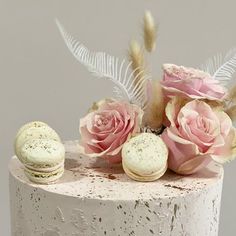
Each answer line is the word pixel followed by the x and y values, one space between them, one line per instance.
pixel 136 56
pixel 154 113
pixel 230 103
pixel 150 32
pixel 232 112
pixel 232 94
pixel 216 105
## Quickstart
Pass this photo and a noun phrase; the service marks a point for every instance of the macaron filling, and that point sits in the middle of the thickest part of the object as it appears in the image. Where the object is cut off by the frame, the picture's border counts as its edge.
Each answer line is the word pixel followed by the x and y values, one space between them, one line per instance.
pixel 145 178
pixel 44 177
pixel 44 168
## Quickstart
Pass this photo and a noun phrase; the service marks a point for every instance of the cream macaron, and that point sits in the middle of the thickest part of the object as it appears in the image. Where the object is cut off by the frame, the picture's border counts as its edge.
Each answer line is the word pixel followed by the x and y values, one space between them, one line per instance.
pixel 43 160
pixel 34 132
pixel 144 157
pixel 35 124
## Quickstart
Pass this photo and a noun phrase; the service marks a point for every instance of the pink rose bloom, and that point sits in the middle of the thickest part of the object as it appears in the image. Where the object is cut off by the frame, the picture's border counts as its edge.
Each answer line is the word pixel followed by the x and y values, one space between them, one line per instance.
pixel 191 83
pixel 197 135
pixel 107 127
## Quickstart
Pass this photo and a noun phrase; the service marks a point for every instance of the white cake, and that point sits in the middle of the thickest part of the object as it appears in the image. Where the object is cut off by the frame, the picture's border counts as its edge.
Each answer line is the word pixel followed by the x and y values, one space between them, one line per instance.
pixel 93 198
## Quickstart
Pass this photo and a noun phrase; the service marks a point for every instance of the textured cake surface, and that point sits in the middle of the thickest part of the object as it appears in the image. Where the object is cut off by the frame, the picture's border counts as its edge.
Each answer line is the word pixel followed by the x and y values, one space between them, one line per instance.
pixel 94 198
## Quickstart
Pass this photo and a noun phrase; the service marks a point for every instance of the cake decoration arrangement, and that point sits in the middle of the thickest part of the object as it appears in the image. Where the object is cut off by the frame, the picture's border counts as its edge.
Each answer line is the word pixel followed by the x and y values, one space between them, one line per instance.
pixel 149 159
pixel 190 109
pixel 40 150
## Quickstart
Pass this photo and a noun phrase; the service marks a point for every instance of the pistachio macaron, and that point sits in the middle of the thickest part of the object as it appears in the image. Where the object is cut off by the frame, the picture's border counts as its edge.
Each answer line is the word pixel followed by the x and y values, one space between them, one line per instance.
pixel 34 132
pixel 43 160
pixel 144 157
pixel 35 124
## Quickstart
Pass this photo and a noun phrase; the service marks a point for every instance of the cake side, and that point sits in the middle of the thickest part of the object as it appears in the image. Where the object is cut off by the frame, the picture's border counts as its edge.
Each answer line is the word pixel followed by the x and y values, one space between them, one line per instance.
pixel 95 199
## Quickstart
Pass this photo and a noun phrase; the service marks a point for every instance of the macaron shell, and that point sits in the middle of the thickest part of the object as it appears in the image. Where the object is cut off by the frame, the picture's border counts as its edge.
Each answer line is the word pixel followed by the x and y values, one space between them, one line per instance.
pixel 147 178
pixel 43 132
pixel 42 153
pixel 35 124
pixel 145 154
pixel 44 177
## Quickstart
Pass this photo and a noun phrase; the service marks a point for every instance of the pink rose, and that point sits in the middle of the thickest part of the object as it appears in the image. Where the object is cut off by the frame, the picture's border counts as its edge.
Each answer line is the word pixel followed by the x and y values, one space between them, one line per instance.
pixel 191 83
pixel 107 127
pixel 197 135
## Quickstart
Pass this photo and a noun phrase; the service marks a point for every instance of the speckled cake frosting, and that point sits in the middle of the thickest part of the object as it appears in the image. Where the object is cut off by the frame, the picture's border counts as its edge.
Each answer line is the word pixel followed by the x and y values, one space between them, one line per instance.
pixel 94 198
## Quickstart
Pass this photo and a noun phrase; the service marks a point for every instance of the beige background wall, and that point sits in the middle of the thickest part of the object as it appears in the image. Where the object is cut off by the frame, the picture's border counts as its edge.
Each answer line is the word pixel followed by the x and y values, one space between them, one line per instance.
pixel 40 80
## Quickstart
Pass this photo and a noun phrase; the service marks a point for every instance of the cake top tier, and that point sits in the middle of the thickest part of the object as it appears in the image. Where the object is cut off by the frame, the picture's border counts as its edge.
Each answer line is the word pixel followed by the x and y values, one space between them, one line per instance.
pixel 93 178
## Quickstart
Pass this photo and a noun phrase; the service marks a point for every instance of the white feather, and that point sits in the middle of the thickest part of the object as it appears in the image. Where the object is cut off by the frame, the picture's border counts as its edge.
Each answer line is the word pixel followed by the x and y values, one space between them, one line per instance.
pixel 221 67
pixel 105 66
pixel 117 92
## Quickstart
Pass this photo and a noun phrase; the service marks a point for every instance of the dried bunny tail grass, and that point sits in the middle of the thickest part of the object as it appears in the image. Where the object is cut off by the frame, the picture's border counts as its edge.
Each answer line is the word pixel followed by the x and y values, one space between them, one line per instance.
pixel 217 105
pixel 150 32
pixel 136 56
pixel 154 113
pixel 232 112
pixel 232 94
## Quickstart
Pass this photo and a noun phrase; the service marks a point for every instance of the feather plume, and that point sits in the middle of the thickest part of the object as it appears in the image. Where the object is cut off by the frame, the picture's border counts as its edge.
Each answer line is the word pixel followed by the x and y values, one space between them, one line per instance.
pixel 154 113
pixel 221 67
pixel 150 32
pixel 103 65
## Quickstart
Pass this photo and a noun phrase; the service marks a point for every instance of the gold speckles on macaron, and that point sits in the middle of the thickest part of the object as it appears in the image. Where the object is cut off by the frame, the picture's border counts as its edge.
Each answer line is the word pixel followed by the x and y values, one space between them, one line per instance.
pixel 33 124
pixel 42 132
pixel 144 157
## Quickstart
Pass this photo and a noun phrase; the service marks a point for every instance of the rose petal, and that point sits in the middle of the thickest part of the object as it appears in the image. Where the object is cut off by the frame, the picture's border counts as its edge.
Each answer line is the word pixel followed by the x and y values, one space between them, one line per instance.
pixel 225 123
pixel 180 150
pixel 194 164
pixel 225 153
